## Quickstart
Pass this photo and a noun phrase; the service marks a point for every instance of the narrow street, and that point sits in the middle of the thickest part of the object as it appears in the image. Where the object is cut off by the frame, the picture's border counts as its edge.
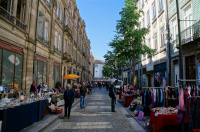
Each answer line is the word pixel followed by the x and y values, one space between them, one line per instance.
pixel 97 116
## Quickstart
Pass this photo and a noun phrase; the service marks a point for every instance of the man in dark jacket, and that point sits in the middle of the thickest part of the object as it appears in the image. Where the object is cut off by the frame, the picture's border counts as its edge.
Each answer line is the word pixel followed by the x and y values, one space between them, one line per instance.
pixel 112 94
pixel 69 99
pixel 33 88
pixel 83 91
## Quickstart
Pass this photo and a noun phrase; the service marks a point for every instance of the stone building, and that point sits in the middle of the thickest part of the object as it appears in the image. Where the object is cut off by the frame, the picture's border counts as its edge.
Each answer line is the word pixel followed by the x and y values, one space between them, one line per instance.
pixel 153 70
pixel 41 40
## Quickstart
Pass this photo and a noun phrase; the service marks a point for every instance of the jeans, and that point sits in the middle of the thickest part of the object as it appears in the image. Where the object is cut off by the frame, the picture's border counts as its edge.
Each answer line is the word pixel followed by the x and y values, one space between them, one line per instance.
pixel 82 102
pixel 67 109
pixel 113 102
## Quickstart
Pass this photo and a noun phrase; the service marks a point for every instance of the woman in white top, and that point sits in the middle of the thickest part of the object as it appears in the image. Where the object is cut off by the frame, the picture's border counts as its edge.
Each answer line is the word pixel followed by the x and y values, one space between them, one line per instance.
pixel 44 87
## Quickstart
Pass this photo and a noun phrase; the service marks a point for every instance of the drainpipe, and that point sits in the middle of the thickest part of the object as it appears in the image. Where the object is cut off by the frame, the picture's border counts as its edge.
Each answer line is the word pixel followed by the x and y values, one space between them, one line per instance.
pixel 35 36
pixel 77 44
pixel 169 46
pixel 62 46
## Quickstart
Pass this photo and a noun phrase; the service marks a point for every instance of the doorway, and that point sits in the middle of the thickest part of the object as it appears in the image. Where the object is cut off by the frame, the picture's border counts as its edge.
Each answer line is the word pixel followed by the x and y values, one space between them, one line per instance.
pixel 190 67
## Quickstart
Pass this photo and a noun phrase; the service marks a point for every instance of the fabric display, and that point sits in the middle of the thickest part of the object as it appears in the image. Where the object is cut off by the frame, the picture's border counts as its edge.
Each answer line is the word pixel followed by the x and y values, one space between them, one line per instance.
pixel 153 97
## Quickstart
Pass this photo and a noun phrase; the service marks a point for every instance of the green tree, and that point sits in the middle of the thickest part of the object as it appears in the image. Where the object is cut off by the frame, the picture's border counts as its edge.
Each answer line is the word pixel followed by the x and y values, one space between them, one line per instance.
pixel 132 45
pixel 107 70
pixel 119 60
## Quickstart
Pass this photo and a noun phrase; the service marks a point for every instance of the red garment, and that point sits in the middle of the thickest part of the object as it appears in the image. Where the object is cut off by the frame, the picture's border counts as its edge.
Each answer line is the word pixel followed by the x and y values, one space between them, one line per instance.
pixel 181 105
pixel 164 120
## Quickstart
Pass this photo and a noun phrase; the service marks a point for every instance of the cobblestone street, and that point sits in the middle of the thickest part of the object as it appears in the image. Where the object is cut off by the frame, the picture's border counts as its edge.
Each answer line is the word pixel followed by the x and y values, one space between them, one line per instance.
pixel 97 117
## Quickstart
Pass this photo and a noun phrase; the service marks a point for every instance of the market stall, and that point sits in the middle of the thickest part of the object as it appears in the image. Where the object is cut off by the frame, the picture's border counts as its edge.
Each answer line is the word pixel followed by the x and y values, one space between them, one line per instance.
pixel 15 118
pixel 161 117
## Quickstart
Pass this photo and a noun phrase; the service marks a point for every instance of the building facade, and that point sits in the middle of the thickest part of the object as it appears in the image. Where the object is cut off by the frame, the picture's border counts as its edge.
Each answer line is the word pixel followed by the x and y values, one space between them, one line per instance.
pixel 41 40
pixel 162 69
pixel 190 39
pixel 152 71
pixel 98 67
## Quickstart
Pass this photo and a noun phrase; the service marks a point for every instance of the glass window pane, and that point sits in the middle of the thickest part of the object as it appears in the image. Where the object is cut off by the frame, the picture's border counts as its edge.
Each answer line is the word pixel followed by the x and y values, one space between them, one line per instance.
pixel 18 71
pixel 1 54
pixel 8 69
pixel 40 70
pixel 35 71
pixel 45 73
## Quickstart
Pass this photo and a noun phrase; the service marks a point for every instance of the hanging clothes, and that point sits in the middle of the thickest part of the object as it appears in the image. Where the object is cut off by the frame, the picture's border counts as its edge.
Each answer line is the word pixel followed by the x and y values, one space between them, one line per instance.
pixel 181 107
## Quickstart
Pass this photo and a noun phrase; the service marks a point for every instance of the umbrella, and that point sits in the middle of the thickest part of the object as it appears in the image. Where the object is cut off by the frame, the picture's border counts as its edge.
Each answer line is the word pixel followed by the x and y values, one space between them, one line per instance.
pixel 71 76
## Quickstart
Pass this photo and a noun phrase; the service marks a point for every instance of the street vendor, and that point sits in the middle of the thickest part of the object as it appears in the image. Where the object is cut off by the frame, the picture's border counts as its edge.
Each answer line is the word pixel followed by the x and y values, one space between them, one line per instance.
pixel 33 87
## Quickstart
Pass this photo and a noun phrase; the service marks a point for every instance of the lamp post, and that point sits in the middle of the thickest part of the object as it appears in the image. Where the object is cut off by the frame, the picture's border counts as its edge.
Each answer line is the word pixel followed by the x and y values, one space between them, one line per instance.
pixel 180 47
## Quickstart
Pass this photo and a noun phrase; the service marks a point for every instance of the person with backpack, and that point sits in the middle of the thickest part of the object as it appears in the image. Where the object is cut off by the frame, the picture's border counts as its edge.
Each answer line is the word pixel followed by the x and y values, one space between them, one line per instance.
pixel 112 94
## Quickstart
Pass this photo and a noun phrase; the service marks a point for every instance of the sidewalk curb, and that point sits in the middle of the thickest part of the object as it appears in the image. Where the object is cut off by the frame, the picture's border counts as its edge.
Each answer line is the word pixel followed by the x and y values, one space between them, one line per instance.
pixel 62 114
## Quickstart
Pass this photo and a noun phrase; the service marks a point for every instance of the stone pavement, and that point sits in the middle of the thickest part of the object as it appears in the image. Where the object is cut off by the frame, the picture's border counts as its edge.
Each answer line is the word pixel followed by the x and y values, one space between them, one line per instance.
pixel 97 117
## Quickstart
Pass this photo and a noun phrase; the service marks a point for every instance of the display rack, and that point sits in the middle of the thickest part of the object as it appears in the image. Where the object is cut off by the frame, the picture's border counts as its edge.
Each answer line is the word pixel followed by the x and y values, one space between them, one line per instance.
pixel 189 80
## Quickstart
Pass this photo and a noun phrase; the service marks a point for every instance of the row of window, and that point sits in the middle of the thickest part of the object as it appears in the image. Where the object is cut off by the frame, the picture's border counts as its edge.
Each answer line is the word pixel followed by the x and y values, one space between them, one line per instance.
pixel 153 11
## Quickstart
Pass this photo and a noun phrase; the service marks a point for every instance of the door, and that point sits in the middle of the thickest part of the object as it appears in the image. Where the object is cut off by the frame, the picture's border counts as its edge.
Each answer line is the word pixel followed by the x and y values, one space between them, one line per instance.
pixel 176 69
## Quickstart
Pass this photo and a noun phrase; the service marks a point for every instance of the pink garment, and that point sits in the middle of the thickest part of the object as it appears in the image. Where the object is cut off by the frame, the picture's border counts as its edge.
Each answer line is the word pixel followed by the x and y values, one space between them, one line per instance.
pixel 181 105
pixel 35 89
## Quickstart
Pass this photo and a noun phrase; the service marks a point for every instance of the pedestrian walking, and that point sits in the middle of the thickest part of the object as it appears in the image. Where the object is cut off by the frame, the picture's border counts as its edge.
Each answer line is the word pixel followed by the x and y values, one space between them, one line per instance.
pixel 112 94
pixel 58 86
pixel 69 100
pixel 83 91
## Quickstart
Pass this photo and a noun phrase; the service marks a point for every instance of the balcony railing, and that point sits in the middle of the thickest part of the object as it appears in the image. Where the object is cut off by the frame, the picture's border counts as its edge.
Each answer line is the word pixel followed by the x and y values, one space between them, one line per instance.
pixel 191 33
pixel 40 38
pixel 20 24
pixel 68 31
pixel 46 42
pixel 6 15
pixel 67 57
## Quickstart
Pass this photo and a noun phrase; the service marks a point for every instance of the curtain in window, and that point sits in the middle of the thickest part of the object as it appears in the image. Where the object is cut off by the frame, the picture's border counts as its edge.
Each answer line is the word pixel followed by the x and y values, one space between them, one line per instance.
pixel 56 40
pixel 8 69
pixel 40 27
pixel 59 43
pixel 66 21
pixel 60 14
pixel 57 9
pixel 18 71
pixel 46 37
pixel 0 63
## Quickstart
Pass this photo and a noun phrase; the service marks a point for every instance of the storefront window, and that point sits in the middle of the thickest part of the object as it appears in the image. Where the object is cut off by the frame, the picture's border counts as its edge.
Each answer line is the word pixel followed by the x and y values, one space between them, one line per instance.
pixel 40 71
pixel 8 69
pixel 56 74
pixel 161 79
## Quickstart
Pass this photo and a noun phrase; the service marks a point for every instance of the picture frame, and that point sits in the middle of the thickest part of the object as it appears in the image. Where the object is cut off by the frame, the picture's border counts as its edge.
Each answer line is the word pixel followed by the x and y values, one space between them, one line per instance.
pixel 141 115
pixel 134 113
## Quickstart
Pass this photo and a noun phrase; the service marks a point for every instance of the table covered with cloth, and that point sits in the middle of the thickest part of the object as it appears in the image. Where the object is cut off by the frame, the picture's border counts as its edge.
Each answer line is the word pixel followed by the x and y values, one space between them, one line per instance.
pixel 19 117
pixel 127 99
pixel 157 122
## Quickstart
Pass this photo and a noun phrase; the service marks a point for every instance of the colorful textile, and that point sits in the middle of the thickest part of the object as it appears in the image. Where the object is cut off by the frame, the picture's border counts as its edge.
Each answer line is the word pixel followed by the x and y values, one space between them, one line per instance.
pixel 181 107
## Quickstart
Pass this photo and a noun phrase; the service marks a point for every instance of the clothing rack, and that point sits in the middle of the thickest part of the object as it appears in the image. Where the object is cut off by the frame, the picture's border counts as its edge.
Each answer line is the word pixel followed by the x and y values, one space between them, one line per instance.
pixel 189 80
pixel 152 87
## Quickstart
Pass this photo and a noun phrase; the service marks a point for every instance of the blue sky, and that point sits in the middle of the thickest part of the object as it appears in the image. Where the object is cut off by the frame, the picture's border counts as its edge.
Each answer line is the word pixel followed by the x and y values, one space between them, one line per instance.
pixel 100 17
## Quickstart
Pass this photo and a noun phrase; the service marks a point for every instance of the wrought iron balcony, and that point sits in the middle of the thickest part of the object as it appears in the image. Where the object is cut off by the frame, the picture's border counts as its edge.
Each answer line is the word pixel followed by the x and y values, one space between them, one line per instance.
pixel 68 31
pixel 191 33
pixel 46 42
pixel 4 13
pixel 20 24
pixel 40 38
pixel 67 57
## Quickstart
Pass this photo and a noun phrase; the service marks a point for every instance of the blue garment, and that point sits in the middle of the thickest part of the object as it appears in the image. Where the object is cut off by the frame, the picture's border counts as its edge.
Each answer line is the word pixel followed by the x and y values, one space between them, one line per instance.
pixel 82 101
pixel 69 96
pixel 145 97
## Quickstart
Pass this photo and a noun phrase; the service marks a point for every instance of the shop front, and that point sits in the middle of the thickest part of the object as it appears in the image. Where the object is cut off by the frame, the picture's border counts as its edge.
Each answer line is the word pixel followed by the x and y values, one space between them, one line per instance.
pixel 56 72
pixel 160 75
pixel 11 66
